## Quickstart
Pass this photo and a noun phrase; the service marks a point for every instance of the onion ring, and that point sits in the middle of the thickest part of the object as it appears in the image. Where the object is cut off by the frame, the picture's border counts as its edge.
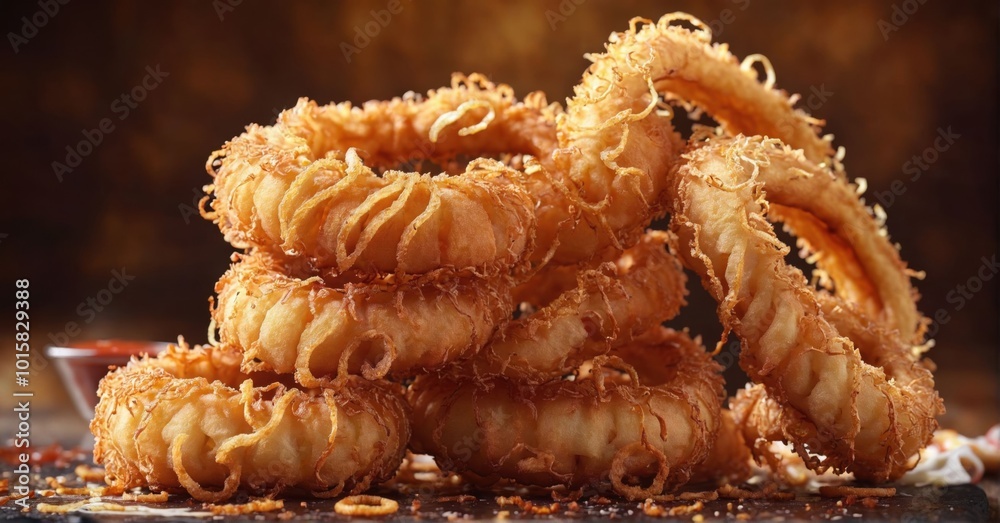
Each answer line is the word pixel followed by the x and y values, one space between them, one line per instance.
pixel 604 308
pixel 286 324
pixel 764 420
pixel 365 506
pixel 616 150
pixel 865 419
pixel 614 153
pixel 655 427
pixel 302 184
pixel 191 419
pixel 688 68
pixel 844 239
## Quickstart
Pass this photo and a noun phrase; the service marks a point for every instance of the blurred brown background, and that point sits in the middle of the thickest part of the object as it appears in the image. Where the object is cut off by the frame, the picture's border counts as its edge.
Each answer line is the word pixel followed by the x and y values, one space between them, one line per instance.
pixel 888 90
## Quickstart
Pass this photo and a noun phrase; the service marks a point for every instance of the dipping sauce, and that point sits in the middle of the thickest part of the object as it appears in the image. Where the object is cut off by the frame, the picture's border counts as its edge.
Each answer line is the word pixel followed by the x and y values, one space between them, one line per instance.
pixel 82 364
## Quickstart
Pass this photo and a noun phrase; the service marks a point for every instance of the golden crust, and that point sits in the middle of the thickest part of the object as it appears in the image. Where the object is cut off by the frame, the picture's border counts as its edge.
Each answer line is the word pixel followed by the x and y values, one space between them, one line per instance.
pixel 602 426
pixel 306 185
pixel 190 419
pixel 355 268
pixel 865 419
pixel 602 309
pixel 685 66
pixel 729 459
pixel 287 324
pixel 365 506
pixel 614 153
pixel 616 144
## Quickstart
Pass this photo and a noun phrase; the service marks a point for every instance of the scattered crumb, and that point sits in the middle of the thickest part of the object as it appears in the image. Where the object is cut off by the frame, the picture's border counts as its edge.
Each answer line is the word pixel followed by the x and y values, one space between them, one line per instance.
pixel 572 495
pixel 73 491
pixel 112 490
pixel 252 507
pixel 48 508
pixel 543 510
pixel 160 497
pixel 503 501
pixel 710 495
pixel 54 483
pixel 90 474
pixel 686 510
pixel 653 510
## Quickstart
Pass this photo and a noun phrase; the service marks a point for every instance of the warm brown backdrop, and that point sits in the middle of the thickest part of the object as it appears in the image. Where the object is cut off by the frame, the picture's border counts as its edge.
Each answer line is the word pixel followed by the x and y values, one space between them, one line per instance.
pixel 124 206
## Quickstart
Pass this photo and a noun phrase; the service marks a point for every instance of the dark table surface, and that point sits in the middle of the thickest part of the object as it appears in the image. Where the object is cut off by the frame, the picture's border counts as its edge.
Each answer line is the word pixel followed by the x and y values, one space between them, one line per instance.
pixel 443 500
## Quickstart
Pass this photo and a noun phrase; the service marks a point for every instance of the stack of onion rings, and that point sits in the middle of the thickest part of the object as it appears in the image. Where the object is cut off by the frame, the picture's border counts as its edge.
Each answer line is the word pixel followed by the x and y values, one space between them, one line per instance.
pixel 318 297
pixel 520 291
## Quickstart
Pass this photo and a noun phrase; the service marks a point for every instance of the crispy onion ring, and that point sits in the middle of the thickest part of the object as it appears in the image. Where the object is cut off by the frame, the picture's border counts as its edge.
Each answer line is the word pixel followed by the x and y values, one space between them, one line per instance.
pixel 306 184
pixel 764 420
pixel 603 308
pixel 654 427
pixel 689 69
pixel 286 324
pixel 614 153
pixel 615 146
pixel 365 506
pixel 865 419
pixel 190 419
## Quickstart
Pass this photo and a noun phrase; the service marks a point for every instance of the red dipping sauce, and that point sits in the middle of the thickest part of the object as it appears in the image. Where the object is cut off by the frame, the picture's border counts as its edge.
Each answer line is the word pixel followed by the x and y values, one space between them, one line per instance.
pixel 82 364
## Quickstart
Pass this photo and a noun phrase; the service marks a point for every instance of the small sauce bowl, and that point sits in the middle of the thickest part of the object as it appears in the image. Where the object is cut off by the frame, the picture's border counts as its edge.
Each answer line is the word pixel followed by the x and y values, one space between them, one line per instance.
pixel 82 364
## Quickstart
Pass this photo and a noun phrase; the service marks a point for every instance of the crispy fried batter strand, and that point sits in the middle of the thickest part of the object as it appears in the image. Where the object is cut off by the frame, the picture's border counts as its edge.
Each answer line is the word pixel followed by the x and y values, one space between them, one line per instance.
pixel 652 427
pixel 288 324
pixel 865 419
pixel 602 309
pixel 189 418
